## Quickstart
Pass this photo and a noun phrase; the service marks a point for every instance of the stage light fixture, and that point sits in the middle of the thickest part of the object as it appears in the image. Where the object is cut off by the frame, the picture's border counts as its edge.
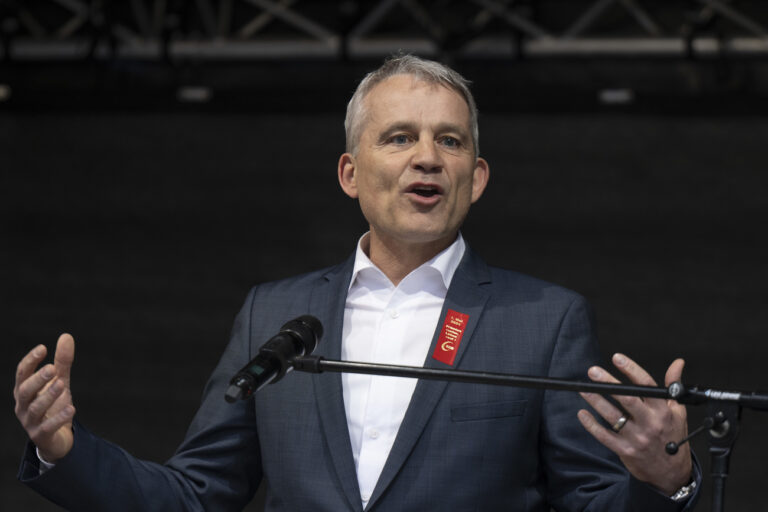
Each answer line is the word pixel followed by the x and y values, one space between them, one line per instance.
pixel 616 96
pixel 194 94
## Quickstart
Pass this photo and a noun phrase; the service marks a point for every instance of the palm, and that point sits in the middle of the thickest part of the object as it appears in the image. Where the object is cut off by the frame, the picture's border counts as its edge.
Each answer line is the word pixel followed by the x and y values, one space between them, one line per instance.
pixel 58 444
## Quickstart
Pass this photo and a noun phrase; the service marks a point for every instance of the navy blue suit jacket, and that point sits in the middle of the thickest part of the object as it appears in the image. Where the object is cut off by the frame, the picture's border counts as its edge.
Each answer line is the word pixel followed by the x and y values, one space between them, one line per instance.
pixel 461 447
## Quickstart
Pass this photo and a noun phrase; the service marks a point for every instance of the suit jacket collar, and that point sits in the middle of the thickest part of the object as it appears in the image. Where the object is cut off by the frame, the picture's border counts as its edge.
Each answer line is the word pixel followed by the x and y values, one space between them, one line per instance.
pixel 467 294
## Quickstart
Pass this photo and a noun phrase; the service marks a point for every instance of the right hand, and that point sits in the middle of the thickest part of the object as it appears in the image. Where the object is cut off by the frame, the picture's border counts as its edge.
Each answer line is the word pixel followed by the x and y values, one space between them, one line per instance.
pixel 44 401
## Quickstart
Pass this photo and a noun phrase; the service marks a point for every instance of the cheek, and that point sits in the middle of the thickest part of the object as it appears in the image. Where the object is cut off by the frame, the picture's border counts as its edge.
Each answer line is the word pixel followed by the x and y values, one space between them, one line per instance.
pixel 374 191
pixel 379 182
pixel 464 190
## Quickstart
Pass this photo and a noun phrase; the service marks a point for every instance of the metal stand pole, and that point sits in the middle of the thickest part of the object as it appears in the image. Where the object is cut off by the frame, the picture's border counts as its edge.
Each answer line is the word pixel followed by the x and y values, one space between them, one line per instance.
pixel 721 442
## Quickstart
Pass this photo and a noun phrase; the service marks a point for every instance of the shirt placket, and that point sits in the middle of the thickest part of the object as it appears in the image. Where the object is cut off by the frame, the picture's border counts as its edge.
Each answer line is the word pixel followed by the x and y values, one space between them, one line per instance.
pixel 378 434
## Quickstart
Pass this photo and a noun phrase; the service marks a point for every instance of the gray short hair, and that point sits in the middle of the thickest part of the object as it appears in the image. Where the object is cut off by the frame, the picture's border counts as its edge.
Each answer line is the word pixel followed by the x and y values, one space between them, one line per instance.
pixel 426 70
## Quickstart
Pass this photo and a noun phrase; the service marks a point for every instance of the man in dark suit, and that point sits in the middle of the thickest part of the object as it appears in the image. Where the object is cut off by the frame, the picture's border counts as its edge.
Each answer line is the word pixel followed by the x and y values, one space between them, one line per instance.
pixel 413 293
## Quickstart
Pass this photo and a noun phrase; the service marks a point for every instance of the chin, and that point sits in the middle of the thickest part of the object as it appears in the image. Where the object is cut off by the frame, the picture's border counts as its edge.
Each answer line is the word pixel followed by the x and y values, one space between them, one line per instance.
pixel 426 235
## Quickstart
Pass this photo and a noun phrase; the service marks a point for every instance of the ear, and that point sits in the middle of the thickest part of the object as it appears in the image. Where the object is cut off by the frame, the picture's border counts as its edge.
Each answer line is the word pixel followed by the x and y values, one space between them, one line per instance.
pixel 347 176
pixel 480 178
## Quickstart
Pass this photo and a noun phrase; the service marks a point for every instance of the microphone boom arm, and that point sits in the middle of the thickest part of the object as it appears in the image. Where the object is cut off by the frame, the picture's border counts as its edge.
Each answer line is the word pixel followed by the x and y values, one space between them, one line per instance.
pixel 676 391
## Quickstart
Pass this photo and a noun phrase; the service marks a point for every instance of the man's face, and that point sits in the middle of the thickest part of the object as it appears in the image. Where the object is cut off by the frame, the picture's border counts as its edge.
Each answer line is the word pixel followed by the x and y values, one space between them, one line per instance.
pixel 415 172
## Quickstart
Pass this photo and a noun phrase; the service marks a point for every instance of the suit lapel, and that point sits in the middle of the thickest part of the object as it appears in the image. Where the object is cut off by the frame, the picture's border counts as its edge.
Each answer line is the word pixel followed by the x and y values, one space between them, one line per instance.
pixel 465 295
pixel 327 303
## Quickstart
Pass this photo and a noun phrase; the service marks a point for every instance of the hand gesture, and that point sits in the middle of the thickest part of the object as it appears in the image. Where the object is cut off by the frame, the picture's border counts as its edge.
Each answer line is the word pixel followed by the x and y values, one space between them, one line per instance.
pixel 44 401
pixel 638 436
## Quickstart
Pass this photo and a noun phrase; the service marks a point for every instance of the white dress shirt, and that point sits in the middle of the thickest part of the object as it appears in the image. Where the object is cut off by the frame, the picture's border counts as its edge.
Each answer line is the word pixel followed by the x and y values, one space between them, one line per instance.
pixel 387 324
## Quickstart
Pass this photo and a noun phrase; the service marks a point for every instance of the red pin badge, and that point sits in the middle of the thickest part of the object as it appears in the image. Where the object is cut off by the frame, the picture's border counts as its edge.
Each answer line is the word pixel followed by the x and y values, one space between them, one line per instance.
pixel 450 337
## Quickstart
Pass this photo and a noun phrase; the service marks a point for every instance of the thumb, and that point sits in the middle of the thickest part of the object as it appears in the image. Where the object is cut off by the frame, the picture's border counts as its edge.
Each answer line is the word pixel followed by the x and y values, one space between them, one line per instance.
pixel 674 372
pixel 64 357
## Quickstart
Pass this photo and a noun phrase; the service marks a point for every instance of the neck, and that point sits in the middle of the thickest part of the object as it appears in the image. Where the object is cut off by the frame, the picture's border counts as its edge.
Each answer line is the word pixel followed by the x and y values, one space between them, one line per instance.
pixel 396 259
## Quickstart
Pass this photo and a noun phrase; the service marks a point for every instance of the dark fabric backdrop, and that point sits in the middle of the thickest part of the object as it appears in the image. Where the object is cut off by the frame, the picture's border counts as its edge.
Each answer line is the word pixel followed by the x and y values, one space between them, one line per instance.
pixel 141 233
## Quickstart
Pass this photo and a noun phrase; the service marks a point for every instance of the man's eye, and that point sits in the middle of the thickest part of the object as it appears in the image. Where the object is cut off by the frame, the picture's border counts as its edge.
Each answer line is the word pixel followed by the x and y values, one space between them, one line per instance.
pixel 399 139
pixel 450 142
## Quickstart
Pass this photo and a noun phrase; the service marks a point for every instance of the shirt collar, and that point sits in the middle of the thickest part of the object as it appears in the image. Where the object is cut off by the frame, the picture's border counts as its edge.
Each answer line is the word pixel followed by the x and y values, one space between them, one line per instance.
pixel 445 262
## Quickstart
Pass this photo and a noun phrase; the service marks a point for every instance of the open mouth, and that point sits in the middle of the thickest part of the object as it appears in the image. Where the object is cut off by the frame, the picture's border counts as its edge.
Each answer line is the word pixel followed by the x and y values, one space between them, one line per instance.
pixel 425 190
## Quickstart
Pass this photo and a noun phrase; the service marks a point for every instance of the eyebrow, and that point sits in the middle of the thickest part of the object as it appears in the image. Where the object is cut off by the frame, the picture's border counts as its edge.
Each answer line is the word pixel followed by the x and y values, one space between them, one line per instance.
pixel 397 127
pixel 407 126
pixel 454 128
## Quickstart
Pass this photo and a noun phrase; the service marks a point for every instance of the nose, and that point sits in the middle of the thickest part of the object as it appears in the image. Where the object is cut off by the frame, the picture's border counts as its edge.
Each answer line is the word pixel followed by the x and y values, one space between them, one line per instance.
pixel 426 157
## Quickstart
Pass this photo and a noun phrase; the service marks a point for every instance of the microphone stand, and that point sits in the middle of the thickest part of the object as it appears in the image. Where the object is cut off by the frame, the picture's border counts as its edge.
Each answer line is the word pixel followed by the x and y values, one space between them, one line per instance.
pixel 722 424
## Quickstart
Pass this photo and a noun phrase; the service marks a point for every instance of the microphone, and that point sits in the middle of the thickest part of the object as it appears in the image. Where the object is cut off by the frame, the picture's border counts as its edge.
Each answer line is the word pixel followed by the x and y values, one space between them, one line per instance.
pixel 296 338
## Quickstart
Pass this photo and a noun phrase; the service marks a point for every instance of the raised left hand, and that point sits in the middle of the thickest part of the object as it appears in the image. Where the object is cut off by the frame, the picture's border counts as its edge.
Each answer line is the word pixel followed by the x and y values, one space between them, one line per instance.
pixel 651 424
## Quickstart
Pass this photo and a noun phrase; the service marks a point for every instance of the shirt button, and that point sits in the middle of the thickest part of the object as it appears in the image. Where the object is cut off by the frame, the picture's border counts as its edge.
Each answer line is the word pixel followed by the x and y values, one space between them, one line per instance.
pixel 393 313
pixel 373 433
pixel 366 497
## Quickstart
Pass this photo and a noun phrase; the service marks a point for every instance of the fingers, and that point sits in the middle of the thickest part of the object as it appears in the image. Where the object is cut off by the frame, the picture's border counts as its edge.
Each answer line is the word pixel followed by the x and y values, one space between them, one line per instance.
pixel 633 371
pixel 632 404
pixel 604 408
pixel 53 423
pixel 44 393
pixel 44 435
pixel 652 423
pixel 62 400
pixel 30 387
pixel 65 356
pixel 41 405
pixel 637 375
pixel 610 413
pixel 43 399
pixel 29 383
pixel 608 438
pixel 28 364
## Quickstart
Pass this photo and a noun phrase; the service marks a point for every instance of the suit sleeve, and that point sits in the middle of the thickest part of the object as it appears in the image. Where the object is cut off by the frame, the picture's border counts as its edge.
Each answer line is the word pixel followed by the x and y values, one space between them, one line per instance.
pixel 217 467
pixel 582 474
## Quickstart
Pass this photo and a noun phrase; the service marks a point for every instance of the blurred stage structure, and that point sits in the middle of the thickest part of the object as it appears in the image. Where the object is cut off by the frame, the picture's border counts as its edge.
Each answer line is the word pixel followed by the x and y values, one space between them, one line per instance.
pixel 303 55
pixel 347 29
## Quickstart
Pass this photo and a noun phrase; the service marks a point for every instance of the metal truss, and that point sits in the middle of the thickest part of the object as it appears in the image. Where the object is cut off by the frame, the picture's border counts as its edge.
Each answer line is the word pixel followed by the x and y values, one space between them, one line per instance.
pixel 277 29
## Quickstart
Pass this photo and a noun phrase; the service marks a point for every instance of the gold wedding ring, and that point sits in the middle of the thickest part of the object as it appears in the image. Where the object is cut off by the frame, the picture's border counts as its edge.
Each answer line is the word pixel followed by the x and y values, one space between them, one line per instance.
pixel 619 424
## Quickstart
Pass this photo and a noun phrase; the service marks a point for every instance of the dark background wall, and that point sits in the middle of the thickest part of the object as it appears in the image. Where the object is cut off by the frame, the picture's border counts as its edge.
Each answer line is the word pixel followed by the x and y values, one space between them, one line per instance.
pixel 141 232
